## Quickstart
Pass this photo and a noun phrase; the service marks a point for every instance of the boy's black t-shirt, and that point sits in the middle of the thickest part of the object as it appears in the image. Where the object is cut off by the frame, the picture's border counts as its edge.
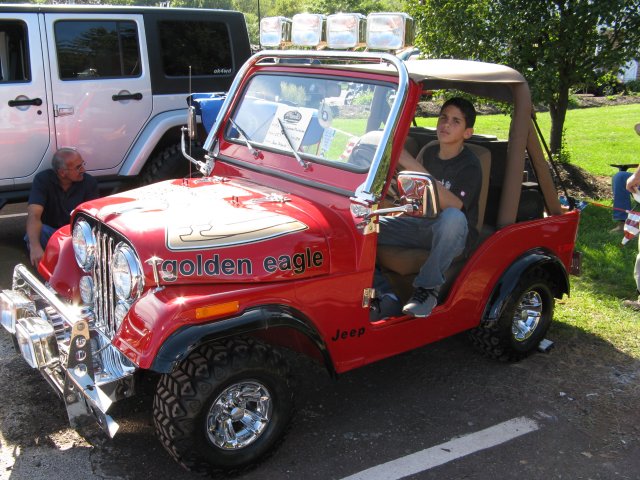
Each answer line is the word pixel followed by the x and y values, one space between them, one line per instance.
pixel 462 176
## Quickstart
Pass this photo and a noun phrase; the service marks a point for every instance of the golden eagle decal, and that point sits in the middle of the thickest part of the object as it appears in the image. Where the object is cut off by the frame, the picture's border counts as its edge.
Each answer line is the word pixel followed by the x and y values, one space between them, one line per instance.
pixel 246 226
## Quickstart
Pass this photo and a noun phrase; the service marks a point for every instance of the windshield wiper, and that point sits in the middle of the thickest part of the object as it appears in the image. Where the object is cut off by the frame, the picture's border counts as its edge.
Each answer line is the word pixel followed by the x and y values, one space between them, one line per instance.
pixel 244 137
pixel 285 132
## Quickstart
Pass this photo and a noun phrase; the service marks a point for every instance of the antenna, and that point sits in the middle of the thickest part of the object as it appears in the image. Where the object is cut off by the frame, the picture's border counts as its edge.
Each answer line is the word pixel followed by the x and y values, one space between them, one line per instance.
pixel 190 119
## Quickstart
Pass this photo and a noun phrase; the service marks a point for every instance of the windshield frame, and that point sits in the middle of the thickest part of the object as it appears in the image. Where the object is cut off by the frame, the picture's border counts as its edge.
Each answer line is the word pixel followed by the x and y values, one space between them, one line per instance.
pixel 369 191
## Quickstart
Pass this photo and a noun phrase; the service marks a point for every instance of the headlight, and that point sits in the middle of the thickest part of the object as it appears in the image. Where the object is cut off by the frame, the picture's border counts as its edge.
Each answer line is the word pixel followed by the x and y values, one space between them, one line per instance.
pixel 84 245
pixel 119 313
pixel 127 273
pixel 86 289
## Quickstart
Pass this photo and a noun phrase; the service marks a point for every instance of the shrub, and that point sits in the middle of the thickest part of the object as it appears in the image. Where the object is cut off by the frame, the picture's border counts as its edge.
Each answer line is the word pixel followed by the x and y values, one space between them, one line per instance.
pixel 293 93
pixel 573 100
pixel 608 84
pixel 632 86
pixel 363 98
pixel 563 156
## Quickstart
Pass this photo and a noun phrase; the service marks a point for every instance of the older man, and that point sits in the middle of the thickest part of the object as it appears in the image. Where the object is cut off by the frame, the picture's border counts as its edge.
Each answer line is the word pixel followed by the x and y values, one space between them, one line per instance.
pixel 54 194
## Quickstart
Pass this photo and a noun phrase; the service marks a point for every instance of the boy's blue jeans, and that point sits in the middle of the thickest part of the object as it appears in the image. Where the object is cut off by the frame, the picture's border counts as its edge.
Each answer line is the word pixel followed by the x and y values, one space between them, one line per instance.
pixel 621 196
pixel 445 237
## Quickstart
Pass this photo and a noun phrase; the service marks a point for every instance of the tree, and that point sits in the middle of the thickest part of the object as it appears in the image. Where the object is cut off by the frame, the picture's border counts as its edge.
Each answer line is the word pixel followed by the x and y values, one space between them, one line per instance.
pixel 555 44
pixel 358 6
pixel 224 4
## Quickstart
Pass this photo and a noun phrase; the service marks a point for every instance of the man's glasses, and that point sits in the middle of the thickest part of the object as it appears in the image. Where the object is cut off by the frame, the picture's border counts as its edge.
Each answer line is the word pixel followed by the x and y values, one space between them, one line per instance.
pixel 78 167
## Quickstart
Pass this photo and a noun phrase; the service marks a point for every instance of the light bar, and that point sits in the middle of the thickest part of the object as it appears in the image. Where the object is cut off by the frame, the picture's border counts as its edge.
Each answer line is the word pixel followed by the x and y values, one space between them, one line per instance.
pixel 274 31
pixel 389 31
pixel 306 30
pixel 384 31
pixel 345 30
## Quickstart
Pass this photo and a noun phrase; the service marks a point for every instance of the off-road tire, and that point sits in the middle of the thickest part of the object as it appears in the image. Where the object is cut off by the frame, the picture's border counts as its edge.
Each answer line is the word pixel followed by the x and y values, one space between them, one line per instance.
pixel 170 163
pixel 504 340
pixel 185 397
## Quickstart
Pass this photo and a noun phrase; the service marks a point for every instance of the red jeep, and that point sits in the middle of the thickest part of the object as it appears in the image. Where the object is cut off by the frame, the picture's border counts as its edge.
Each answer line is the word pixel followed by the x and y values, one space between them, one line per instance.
pixel 201 282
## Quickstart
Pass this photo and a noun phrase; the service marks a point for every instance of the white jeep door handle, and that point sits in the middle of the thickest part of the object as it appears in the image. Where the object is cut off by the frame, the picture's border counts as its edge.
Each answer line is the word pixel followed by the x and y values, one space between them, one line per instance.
pixel 62 110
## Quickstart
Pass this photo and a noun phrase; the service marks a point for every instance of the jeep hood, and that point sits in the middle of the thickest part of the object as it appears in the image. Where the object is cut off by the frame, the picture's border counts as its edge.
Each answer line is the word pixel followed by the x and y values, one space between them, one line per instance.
pixel 215 230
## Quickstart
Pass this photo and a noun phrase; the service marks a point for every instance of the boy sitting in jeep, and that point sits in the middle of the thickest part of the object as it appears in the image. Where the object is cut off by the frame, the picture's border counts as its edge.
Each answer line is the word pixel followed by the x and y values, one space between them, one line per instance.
pixel 459 178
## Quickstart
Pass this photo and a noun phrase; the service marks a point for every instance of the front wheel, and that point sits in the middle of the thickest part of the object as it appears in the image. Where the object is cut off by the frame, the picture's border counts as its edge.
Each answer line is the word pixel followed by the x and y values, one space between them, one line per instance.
pixel 523 323
pixel 225 407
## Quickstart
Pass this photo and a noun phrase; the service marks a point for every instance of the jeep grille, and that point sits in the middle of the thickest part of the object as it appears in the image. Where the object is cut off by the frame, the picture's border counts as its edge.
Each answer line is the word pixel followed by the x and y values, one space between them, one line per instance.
pixel 103 281
pixel 104 291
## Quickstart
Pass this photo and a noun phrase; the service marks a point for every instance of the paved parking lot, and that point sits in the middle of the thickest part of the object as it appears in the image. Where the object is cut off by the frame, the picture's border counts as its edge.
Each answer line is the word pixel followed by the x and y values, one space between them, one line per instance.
pixel 439 412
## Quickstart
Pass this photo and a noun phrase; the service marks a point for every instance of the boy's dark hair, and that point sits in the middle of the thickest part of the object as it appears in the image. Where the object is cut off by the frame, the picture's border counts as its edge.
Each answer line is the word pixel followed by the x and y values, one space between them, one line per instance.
pixel 465 106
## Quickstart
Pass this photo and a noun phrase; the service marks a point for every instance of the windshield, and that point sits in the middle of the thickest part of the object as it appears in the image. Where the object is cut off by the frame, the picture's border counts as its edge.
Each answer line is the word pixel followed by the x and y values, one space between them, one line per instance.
pixel 330 121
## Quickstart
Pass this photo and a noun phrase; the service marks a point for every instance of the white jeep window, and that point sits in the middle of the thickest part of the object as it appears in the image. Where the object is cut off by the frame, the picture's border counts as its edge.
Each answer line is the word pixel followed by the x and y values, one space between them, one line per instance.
pixel 204 46
pixel 94 49
pixel 321 118
pixel 14 58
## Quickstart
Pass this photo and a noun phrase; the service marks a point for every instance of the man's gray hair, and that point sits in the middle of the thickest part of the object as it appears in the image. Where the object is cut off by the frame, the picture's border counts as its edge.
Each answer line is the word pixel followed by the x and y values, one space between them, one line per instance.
pixel 59 158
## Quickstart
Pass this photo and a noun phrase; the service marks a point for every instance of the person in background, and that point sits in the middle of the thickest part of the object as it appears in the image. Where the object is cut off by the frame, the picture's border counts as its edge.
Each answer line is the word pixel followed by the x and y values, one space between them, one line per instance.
pixel 632 184
pixel 621 199
pixel 54 194
pixel 621 196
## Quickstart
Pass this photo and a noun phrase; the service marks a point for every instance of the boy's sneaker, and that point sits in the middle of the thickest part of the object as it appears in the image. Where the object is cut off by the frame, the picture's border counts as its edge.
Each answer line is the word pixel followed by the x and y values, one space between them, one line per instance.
pixel 421 303
pixel 384 307
pixel 632 304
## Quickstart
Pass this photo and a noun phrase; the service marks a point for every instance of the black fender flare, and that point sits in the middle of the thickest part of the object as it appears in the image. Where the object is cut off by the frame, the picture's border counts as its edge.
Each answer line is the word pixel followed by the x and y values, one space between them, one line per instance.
pixel 184 340
pixel 504 287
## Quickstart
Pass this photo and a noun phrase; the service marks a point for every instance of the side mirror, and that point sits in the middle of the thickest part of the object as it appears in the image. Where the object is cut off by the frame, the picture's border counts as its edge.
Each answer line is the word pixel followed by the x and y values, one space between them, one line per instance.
pixel 420 191
pixel 189 132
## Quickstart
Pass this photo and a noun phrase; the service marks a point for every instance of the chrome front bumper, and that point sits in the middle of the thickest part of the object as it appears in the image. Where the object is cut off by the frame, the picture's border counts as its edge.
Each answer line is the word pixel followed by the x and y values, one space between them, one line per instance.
pixel 60 340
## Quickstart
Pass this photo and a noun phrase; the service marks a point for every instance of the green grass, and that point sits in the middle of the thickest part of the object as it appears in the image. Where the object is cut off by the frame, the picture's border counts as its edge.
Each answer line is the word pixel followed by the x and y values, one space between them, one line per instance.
pixel 594 138
pixel 607 278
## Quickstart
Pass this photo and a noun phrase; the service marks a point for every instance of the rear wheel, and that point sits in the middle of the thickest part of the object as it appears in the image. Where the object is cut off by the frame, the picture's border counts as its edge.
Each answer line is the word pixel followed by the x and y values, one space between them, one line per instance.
pixel 523 323
pixel 225 407
pixel 170 163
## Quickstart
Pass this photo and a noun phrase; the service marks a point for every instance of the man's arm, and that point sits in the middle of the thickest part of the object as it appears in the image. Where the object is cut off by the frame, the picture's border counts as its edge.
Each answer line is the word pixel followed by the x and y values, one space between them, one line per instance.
pixel 447 198
pixel 34 228
pixel 633 182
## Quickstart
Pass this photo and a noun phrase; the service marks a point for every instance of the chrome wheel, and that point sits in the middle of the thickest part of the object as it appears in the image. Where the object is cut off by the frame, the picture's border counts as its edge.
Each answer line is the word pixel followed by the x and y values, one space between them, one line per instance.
pixel 239 415
pixel 527 315
pixel 224 407
pixel 524 320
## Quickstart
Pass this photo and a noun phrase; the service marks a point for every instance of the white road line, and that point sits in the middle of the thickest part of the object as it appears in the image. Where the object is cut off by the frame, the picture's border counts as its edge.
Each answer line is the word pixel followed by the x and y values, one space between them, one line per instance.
pixel 13 215
pixel 446 452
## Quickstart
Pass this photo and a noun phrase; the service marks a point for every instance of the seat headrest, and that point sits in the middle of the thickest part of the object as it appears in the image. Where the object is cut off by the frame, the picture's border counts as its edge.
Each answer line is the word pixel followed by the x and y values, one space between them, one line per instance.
pixel 363 152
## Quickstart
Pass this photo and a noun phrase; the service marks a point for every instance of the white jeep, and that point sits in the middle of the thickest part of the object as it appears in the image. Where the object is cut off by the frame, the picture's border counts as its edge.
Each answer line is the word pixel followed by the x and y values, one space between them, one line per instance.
pixel 109 81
